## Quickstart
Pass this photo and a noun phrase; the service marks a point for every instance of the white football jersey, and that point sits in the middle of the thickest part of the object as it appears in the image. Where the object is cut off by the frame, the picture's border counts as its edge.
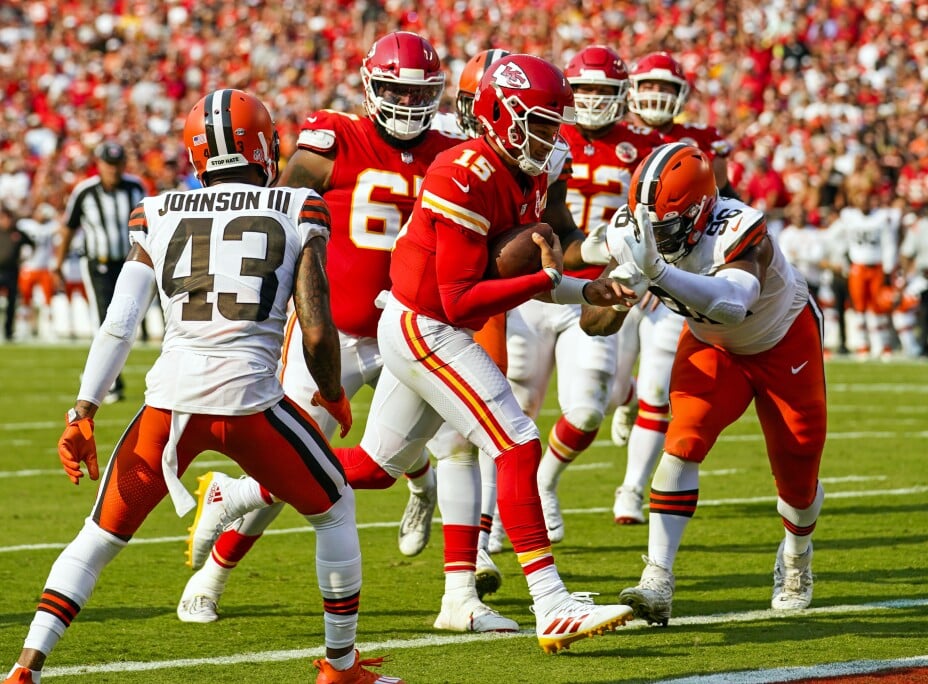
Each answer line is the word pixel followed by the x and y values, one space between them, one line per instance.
pixel 42 256
pixel 805 249
pixel 224 260
pixel 870 239
pixel 732 227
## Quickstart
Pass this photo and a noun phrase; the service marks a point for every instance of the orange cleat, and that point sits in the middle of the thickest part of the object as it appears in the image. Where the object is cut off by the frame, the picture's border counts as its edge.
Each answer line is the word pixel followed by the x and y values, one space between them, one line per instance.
pixel 356 674
pixel 20 675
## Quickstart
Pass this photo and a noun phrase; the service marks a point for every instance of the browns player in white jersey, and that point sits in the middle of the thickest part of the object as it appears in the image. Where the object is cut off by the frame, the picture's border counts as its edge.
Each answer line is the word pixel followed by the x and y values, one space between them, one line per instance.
pixel 368 170
pixel 752 333
pixel 434 371
pixel 869 235
pixel 658 92
pixel 225 260
pixel 604 152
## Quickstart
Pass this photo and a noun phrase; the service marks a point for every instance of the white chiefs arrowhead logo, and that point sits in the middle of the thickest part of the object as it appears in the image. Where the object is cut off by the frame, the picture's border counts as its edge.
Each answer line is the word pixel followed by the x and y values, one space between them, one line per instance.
pixel 511 75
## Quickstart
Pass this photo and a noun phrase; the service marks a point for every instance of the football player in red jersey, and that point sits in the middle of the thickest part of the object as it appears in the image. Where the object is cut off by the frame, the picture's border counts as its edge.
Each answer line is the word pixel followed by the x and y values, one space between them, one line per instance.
pixel 434 371
pixel 605 151
pixel 452 449
pixel 657 94
pixel 753 334
pixel 214 385
pixel 368 170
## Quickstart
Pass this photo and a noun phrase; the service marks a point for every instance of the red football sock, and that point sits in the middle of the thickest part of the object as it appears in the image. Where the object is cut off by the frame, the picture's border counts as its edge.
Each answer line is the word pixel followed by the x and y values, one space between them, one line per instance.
pixel 460 547
pixel 566 441
pixel 231 547
pixel 518 500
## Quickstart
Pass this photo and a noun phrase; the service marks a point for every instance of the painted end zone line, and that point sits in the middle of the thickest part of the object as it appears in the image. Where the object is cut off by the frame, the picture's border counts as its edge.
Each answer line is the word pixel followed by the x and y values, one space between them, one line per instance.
pixel 425 642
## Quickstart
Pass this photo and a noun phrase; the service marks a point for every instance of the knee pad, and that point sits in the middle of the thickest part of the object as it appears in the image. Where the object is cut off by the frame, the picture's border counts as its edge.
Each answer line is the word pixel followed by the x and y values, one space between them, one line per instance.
pixel 585 418
pixel 689 447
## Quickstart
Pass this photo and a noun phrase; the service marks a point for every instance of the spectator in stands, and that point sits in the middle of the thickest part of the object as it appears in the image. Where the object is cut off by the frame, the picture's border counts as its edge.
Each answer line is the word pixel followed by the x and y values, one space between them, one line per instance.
pixel 12 243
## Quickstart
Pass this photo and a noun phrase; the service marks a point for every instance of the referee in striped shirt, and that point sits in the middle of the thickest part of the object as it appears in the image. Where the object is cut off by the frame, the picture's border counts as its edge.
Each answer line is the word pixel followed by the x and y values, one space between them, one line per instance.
pixel 100 207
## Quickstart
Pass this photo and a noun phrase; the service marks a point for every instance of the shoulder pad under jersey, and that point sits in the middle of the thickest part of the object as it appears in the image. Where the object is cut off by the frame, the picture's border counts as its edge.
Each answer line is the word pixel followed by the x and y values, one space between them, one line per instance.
pixel 317 139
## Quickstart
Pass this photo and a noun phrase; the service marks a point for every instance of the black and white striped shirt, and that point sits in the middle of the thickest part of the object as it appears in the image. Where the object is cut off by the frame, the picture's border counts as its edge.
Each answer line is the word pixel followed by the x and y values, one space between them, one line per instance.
pixel 104 216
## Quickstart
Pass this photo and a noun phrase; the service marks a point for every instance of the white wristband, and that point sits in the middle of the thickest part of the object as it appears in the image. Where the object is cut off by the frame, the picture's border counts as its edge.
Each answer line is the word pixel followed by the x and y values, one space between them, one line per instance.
pixel 555 276
pixel 569 291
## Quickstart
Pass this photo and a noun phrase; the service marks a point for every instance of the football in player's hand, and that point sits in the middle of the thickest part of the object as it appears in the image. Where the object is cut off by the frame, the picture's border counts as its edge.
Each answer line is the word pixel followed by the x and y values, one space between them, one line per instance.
pixel 514 253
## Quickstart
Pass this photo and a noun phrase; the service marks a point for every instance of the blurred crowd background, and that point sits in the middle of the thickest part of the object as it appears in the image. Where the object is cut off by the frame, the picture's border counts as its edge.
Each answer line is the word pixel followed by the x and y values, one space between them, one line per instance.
pixel 815 96
pixel 809 91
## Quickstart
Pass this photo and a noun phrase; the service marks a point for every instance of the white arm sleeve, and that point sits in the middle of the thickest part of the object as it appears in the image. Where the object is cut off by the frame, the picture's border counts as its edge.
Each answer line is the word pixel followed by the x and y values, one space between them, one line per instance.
pixel 725 297
pixel 110 349
pixel 569 291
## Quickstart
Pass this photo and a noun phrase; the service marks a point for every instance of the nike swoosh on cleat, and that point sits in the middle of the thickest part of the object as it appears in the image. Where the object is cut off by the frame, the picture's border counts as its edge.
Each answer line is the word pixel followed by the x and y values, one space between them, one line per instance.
pixel 796 369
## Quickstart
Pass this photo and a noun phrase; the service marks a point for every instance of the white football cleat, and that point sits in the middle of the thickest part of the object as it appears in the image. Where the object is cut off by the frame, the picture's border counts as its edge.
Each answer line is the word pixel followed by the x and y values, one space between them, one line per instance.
pixel 470 614
pixel 652 599
pixel 551 508
pixel 576 617
pixel 218 510
pixel 198 608
pixel 792 580
pixel 627 509
pixel 416 523
pixel 488 577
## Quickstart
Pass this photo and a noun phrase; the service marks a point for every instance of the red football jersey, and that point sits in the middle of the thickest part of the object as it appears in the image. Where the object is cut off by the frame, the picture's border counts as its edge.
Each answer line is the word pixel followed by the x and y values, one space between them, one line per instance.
pixel 706 138
pixel 602 172
pixel 467 198
pixel 371 193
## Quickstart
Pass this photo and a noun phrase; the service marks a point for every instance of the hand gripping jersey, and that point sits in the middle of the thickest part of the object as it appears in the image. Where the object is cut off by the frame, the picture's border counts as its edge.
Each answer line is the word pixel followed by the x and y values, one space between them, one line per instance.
pixel 469 190
pixel 224 260
pixel 370 196
pixel 733 227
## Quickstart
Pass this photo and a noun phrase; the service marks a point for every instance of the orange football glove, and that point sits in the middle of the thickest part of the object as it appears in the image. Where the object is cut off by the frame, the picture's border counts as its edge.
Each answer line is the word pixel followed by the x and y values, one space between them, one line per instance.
pixel 340 409
pixel 77 446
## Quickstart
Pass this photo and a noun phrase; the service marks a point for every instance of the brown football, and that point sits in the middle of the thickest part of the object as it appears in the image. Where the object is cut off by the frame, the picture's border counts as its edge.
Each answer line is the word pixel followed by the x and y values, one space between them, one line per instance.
pixel 514 253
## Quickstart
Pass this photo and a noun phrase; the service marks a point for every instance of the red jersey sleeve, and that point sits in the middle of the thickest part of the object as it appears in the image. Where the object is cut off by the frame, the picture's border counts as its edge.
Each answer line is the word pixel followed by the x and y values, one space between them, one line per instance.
pixel 452 200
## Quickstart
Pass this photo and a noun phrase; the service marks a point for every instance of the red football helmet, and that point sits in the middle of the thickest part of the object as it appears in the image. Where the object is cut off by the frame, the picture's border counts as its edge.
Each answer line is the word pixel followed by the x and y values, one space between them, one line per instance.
pixel 230 128
pixel 677 183
pixel 598 65
pixel 467 88
pixel 403 83
pixel 654 107
pixel 517 91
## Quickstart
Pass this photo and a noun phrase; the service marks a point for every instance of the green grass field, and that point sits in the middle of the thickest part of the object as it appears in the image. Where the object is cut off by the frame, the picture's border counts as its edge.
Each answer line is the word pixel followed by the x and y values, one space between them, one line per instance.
pixel 871 558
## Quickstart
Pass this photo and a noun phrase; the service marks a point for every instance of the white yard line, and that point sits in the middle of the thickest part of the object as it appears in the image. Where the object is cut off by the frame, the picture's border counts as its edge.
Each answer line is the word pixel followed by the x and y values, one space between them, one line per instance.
pixel 437 521
pixel 755 677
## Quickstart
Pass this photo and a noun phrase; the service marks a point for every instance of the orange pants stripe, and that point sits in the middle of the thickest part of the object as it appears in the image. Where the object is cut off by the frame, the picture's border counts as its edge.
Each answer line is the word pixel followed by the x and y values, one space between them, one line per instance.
pixel 281 448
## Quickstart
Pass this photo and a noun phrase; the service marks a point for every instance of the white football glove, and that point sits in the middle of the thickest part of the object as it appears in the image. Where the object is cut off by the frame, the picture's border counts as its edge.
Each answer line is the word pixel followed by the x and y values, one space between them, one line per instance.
pixel 593 249
pixel 629 275
pixel 643 246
